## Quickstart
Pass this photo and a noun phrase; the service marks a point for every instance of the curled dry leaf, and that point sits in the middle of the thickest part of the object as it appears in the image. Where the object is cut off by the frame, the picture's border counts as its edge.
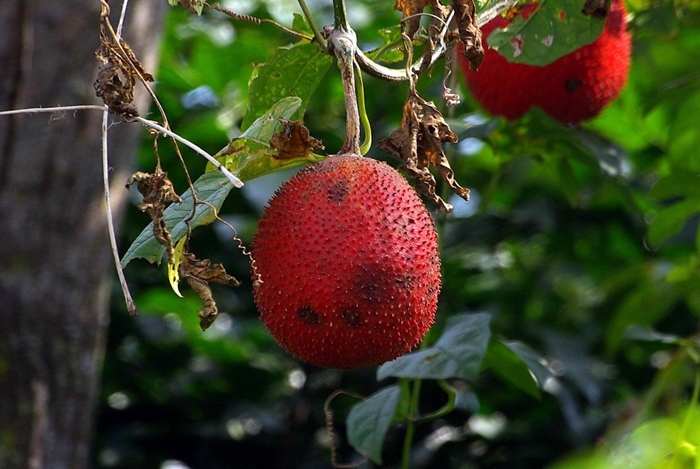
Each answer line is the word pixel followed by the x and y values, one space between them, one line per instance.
pixel 436 32
pixel 157 191
pixel 412 9
pixel 117 61
pixel 418 142
pixel 294 141
pixel 596 8
pixel 469 32
pixel 199 274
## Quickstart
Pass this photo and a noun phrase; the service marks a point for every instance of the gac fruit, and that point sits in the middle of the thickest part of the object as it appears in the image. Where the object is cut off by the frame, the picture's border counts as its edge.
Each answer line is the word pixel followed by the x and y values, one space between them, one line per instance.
pixel 572 89
pixel 346 266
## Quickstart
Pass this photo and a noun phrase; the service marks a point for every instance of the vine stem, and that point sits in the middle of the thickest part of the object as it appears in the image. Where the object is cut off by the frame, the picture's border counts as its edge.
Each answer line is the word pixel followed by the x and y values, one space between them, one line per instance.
pixel 343 43
pixel 130 305
pixel 310 19
pixel 229 175
pixel 340 15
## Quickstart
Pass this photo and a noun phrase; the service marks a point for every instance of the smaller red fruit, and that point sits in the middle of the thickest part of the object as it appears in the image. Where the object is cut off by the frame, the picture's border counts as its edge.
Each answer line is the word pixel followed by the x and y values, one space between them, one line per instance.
pixel 347 262
pixel 572 89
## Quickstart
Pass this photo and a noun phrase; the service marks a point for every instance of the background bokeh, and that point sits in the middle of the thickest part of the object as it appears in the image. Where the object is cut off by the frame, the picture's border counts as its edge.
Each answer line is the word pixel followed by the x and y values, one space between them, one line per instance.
pixel 571 237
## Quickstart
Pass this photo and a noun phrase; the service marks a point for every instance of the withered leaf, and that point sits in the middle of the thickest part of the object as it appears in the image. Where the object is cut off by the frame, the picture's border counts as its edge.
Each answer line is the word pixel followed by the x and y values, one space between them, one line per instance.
pixel 157 191
pixel 411 8
pixel 117 61
pixel 596 8
pixel 294 141
pixel 440 16
pixel 469 32
pixel 418 142
pixel 199 273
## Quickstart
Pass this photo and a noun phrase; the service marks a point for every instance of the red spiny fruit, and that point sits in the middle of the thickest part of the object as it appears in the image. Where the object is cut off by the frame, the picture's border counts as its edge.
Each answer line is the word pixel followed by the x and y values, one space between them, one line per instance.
pixel 572 89
pixel 346 269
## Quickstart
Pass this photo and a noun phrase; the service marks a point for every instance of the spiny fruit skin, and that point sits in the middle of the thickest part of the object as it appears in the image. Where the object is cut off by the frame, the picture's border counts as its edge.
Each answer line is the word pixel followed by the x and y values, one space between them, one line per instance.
pixel 347 258
pixel 572 89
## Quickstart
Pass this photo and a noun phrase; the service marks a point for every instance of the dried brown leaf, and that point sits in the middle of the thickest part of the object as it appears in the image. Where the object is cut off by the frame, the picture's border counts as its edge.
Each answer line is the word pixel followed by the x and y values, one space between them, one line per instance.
pixel 157 191
pixel 294 141
pixel 418 142
pixel 596 8
pixel 118 70
pixel 199 273
pixel 441 14
pixel 411 8
pixel 469 32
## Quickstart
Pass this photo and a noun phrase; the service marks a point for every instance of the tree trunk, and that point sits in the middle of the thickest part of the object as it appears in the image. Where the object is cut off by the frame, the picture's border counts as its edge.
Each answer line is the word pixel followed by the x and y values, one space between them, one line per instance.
pixel 55 261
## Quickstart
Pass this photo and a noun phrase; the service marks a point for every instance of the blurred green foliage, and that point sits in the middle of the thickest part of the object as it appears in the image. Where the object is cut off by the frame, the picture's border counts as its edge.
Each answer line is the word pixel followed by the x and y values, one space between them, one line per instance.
pixel 572 236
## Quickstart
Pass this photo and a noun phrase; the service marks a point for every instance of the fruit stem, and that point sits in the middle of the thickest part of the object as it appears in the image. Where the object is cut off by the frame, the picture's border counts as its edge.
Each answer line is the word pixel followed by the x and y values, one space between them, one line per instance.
pixel 340 15
pixel 343 43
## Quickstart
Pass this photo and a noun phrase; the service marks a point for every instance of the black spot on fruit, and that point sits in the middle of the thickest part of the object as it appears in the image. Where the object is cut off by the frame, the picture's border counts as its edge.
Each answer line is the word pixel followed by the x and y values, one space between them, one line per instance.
pixel 352 317
pixel 573 84
pixel 309 316
pixel 338 191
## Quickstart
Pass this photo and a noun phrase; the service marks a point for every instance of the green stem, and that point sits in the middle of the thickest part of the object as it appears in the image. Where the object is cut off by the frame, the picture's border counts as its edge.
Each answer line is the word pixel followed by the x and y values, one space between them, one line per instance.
pixel 340 15
pixel 411 427
pixel 364 119
pixel 310 19
pixel 448 407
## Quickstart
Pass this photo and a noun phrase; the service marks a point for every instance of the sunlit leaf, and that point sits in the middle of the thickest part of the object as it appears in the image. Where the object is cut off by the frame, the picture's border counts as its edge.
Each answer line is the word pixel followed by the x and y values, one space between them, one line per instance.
pixel 247 157
pixel 369 421
pixel 174 268
pixel 250 155
pixel 670 220
pixel 557 28
pixel 292 71
pixel 458 353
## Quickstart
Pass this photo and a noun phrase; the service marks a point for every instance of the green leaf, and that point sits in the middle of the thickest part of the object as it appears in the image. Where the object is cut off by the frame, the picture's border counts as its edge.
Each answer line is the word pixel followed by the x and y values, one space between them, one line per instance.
pixel 650 302
pixel 247 157
pixel 250 155
pixel 652 443
pixel 211 187
pixel 392 50
pixel 292 71
pixel 458 353
pixel 645 334
pixel 680 184
pixel 300 25
pixel 556 29
pixel 517 364
pixel 671 220
pixel 369 421
pixel 532 360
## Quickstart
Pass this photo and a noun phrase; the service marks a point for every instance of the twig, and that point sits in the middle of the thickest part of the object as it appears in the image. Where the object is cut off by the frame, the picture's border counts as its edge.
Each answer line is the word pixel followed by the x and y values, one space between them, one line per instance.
pixel 130 305
pixel 233 179
pixel 35 110
pixel 120 25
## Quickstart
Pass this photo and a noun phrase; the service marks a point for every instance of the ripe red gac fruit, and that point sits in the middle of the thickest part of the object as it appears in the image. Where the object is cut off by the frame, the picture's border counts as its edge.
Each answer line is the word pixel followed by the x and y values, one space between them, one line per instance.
pixel 572 89
pixel 347 261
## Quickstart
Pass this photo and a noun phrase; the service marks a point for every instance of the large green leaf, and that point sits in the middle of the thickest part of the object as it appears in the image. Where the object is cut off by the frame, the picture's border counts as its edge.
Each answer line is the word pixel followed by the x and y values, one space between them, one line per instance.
pixel 517 364
pixel 247 157
pixel 458 353
pixel 212 187
pixel 369 421
pixel 292 71
pixel 557 28
pixel 250 155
